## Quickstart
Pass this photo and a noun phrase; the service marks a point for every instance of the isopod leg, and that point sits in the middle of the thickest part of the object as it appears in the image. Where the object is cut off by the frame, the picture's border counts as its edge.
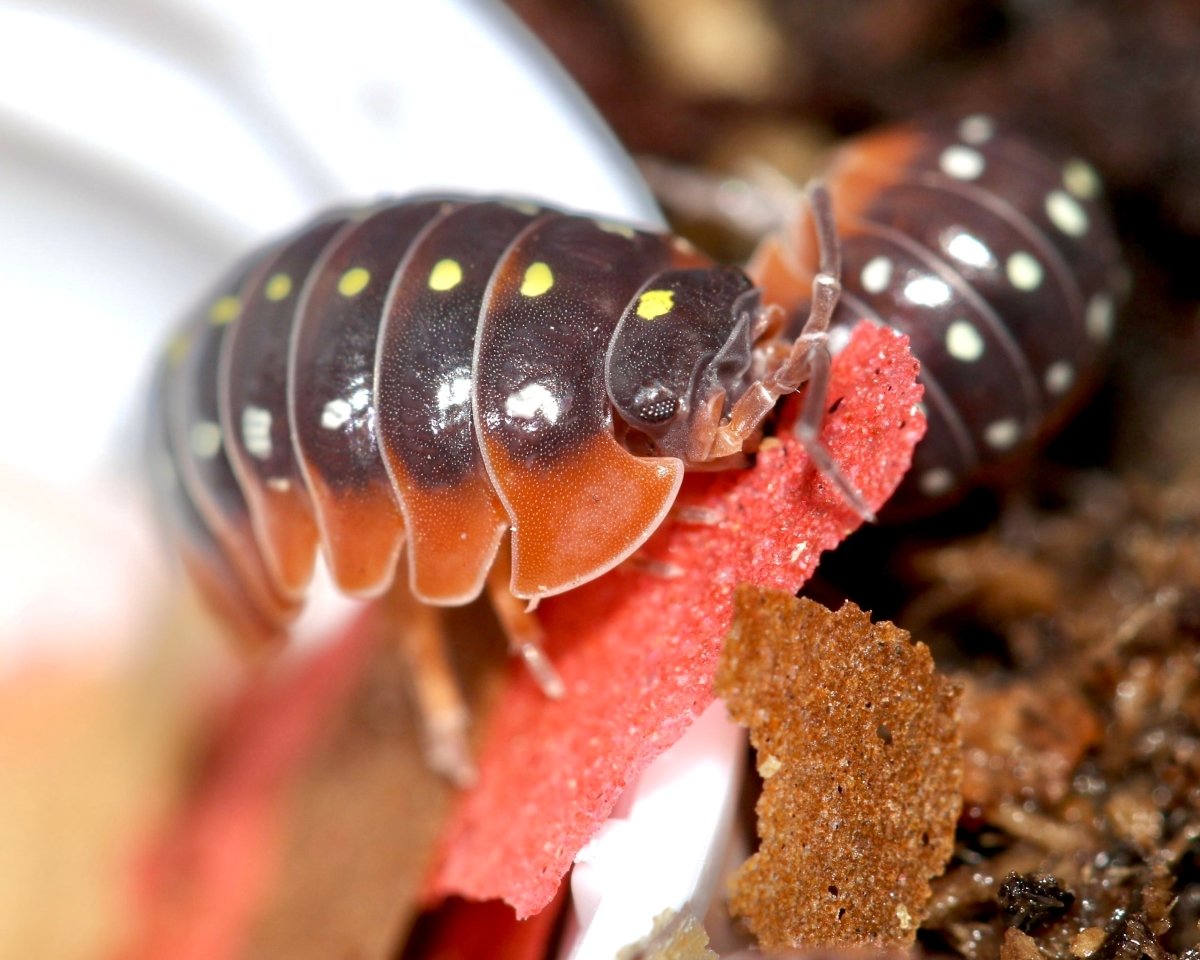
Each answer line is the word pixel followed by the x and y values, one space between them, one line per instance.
pixel 810 349
pixel 521 627
pixel 807 362
pixel 810 355
pixel 808 429
pixel 443 714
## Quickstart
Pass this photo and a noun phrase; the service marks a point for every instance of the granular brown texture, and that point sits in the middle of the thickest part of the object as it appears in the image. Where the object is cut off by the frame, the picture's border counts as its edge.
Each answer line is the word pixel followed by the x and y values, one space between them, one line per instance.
pixel 859 746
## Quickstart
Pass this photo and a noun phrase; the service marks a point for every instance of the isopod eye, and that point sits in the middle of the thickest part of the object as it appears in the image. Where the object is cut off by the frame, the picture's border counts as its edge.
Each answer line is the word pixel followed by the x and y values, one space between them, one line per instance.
pixel 654 404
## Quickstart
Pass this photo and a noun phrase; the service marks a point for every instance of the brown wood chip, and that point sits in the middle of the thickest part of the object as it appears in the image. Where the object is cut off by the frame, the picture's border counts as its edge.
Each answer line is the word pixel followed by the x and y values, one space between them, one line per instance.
pixel 860 748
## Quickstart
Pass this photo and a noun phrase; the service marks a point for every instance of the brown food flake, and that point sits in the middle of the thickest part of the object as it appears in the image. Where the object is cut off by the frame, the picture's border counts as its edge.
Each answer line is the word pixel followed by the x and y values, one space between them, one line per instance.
pixel 863 740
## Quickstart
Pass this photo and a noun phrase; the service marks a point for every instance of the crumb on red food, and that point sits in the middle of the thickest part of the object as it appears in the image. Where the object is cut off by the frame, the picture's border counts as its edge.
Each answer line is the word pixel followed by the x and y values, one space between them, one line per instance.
pixel 637 652
pixel 675 936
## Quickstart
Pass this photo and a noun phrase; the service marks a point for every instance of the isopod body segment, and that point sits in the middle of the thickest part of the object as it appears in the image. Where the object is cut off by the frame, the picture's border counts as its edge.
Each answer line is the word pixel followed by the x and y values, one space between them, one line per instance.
pixel 999 262
pixel 429 373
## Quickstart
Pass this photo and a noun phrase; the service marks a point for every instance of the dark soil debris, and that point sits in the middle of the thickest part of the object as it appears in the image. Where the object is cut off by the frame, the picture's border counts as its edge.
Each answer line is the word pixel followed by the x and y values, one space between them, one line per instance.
pixel 1030 901
pixel 1083 752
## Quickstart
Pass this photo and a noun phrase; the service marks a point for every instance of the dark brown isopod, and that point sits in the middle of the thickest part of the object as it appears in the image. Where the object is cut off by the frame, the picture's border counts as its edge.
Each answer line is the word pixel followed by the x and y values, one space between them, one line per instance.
pixel 996 259
pixel 437 373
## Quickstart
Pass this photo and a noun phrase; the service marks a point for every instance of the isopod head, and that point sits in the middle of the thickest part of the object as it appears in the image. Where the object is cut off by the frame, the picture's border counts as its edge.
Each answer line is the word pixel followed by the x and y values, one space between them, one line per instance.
pixel 683 345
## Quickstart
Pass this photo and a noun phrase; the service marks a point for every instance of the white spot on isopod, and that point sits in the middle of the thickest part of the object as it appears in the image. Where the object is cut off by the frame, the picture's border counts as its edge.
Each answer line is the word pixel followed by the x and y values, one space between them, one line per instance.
pixel 962 163
pixel 977 128
pixel 1059 377
pixel 256 432
pixel 1099 317
pixel 1024 271
pixel 876 275
pixel 927 291
pixel 336 413
pixel 532 400
pixel 935 482
pixel 454 392
pixel 1081 179
pixel 969 249
pixel 279 484
pixel 1002 434
pixel 963 341
pixel 1065 213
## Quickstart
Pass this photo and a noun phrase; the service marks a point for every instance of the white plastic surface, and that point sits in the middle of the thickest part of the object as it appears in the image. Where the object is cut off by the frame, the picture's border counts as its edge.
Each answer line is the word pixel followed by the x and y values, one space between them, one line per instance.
pixel 664 845
pixel 145 144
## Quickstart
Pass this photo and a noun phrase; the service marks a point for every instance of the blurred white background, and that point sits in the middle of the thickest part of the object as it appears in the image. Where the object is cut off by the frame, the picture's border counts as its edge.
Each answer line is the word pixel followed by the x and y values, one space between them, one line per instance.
pixel 146 143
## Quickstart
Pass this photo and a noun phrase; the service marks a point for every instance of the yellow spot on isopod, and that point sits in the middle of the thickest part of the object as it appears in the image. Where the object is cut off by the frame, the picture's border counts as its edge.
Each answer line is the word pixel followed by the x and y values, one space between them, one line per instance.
pixel 225 310
pixel 446 275
pixel 177 349
pixel 654 303
pixel 620 229
pixel 278 287
pixel 523 206
pixel 354 281
pixel 538 279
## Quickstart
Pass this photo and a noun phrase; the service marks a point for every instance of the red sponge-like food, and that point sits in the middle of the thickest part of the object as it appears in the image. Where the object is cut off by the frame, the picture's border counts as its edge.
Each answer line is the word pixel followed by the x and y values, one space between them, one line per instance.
pixel 637 650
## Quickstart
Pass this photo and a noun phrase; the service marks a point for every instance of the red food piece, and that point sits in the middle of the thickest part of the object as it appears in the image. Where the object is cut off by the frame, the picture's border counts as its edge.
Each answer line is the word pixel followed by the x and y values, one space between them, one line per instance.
pixel 637 652
pixel 463 930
